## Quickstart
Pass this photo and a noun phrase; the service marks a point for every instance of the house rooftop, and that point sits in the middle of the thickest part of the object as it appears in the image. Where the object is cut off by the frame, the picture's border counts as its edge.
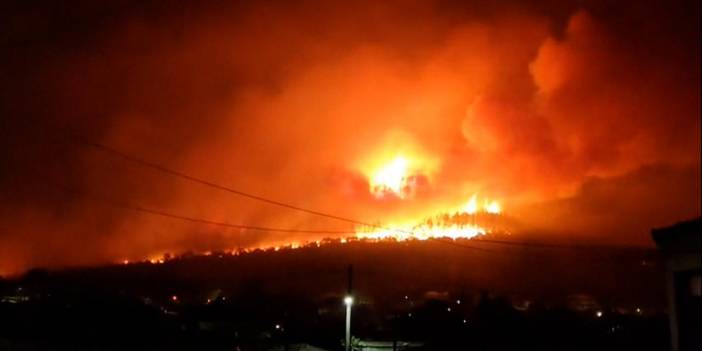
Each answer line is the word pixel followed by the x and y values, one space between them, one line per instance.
pixel 681 237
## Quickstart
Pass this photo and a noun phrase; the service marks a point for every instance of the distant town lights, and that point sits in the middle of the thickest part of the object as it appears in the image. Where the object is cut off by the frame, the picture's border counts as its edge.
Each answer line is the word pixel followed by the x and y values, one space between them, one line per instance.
pixel 598 314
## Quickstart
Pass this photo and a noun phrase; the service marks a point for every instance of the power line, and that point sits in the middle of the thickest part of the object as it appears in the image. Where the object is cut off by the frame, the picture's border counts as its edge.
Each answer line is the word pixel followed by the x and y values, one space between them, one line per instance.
pixel 151 211
pixel 230 225
pixel 185 176
pixel 182 175
pixel 269 229
pixel 161 213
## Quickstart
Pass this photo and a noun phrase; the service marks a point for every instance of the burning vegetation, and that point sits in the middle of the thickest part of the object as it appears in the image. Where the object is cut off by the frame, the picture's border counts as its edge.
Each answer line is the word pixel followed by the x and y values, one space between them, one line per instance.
pixel 467 222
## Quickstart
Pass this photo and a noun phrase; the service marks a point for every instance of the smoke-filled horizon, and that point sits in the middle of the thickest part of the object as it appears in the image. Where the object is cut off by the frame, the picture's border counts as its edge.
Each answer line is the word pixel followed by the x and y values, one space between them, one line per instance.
pixel 581 119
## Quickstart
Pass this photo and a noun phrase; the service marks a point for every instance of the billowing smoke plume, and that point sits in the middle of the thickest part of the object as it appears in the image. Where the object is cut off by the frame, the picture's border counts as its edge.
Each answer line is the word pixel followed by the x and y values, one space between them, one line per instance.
pixel 582 119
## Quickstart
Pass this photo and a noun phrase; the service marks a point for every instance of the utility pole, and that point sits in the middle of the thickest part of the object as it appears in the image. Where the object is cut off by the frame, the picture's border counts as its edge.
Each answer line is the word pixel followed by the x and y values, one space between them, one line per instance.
pixel 348 301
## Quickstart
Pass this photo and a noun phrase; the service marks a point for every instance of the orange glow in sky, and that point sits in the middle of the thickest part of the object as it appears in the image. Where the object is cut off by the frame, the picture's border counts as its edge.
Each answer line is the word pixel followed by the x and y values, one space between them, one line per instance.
pixel 387 112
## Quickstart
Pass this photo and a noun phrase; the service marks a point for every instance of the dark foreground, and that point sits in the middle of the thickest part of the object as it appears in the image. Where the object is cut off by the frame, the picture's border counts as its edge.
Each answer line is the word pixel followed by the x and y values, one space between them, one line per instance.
pixel 418 293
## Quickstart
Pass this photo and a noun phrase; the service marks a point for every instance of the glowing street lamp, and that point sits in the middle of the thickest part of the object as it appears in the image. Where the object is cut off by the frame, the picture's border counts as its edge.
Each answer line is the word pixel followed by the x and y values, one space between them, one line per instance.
pixel 348 301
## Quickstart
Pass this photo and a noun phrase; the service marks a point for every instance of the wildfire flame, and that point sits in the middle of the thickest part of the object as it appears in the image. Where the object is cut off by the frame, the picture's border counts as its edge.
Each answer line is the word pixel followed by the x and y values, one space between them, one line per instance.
pixel 472 206
pixel 489 206
pixel 492 207
pixel 397 167
pixel 391 177
pixel 395 176
pixel 466 222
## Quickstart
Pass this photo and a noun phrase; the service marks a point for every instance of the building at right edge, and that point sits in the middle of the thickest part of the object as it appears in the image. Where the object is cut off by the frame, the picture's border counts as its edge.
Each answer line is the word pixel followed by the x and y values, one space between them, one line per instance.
pixel 681 245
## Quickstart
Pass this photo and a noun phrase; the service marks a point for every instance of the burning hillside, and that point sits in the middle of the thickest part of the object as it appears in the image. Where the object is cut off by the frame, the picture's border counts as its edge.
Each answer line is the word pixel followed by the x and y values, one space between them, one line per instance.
pixel 466 222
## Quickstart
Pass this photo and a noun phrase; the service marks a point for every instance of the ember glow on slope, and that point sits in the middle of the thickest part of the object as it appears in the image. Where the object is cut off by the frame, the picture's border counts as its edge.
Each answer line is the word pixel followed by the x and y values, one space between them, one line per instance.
pixel 459 225
pixel 466 221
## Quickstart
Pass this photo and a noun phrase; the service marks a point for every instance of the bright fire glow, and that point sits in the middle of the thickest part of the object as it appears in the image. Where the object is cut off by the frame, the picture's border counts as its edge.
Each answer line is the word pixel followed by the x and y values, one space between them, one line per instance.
pixel 464 223
pixel 471 206
pixel 397 167
pixel 489 206
pixel 492 207
pixel 422 232
pixel 391 177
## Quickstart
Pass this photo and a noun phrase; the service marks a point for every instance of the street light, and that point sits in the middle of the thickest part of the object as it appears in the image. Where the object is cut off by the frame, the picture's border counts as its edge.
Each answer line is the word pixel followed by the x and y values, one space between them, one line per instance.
pixel 348 301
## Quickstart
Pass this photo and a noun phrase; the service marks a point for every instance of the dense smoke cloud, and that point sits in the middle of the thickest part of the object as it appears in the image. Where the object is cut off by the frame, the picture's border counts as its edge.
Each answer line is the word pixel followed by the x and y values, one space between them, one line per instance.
pixel 583 119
